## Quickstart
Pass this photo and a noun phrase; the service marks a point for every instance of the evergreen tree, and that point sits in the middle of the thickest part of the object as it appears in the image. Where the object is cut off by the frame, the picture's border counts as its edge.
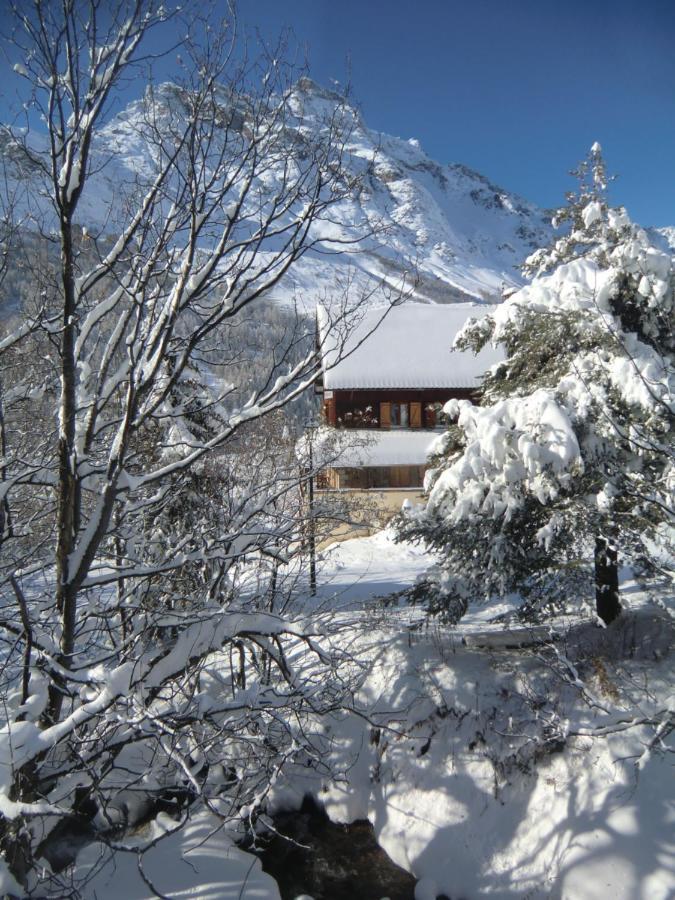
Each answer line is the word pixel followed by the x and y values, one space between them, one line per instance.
pixel 570 457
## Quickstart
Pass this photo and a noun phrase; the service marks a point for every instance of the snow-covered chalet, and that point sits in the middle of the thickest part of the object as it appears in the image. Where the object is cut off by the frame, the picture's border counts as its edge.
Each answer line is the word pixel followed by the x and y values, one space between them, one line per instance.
pixel 387 383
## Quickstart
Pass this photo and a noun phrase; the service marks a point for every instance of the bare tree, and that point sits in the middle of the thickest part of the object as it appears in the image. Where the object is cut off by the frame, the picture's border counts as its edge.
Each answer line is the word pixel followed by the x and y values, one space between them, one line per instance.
pixel 130 623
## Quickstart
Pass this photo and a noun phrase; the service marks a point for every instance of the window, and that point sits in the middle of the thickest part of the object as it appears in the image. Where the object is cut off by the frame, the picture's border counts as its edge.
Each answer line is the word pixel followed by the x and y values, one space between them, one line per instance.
pixel 396 477
pixel 356 479
pixel 378 477
pixel 399 415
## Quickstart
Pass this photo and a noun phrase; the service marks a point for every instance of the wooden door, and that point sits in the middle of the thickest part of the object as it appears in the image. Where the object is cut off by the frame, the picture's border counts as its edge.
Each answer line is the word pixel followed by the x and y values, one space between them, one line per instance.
pixel 415 415
pixel 385 415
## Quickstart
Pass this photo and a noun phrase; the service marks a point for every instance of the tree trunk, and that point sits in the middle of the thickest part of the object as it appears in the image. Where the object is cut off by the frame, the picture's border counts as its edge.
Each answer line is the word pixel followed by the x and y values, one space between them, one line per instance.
pixel 607 603
pixel 67 517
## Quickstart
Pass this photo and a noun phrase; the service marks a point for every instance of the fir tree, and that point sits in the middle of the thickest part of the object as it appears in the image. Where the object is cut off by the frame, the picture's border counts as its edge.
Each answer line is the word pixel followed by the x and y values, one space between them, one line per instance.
pixel 569 460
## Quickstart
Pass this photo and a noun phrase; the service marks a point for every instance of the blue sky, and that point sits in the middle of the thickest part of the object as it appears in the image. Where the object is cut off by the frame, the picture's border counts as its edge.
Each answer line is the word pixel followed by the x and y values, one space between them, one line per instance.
pixel 517 89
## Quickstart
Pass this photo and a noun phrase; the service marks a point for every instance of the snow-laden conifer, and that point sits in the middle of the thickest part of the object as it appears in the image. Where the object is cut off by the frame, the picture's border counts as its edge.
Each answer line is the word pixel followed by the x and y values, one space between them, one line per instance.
pixel 570 455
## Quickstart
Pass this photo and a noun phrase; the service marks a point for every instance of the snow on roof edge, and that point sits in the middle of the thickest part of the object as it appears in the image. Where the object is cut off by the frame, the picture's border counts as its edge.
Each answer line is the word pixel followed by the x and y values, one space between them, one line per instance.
pixel 363 447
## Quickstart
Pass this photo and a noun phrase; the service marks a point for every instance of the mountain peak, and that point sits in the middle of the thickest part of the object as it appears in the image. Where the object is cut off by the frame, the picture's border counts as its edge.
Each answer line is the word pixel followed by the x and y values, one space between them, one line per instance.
pixel 307 85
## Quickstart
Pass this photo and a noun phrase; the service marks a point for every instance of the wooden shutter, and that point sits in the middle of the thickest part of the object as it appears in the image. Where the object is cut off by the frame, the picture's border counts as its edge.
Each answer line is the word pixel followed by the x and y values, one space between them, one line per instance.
pixel 385 415
pixel 329 411
pixel 415 415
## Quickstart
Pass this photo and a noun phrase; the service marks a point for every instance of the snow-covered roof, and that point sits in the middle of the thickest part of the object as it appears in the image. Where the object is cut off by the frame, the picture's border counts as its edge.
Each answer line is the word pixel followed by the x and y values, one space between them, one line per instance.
pixel 407 346
pixel 347 448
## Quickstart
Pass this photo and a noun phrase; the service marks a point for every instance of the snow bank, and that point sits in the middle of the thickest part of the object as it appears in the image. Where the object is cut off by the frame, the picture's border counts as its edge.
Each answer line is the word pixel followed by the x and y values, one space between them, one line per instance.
pixel 199 861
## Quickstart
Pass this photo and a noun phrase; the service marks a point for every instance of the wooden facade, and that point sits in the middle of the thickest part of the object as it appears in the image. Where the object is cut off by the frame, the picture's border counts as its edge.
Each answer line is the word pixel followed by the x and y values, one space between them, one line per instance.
pixel 391 408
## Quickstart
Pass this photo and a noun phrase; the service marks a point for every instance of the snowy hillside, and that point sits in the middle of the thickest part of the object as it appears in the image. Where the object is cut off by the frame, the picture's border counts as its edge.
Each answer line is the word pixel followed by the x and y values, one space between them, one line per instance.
pixel 463 235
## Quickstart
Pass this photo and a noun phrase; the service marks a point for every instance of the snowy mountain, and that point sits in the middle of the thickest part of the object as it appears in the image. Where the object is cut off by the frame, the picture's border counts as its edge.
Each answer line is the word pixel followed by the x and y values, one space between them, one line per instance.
pixel 466 235
pixel 463 235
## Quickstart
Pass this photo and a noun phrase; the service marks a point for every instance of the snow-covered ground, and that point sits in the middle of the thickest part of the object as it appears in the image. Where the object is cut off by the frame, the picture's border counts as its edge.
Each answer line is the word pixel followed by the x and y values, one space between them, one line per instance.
pixel 356 574
pixel 486 770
